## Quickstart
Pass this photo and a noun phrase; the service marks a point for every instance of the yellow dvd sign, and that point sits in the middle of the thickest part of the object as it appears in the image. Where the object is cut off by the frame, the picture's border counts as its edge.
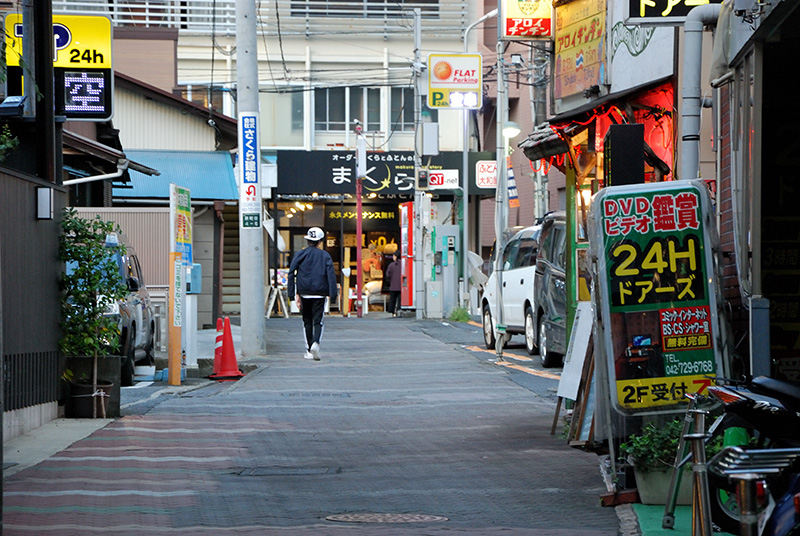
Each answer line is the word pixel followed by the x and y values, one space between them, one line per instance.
pixel 78 41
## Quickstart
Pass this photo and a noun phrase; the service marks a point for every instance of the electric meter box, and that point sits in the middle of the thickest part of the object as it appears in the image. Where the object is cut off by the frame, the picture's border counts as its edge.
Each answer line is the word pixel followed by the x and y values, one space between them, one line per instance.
pixel 194 279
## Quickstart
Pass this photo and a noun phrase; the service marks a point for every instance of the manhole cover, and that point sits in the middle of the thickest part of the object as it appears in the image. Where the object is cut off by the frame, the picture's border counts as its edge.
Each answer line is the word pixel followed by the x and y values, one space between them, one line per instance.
pixel 385 518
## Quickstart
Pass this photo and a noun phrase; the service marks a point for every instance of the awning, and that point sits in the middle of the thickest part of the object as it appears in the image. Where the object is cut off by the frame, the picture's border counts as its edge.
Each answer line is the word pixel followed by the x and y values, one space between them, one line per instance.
pixel 85 157
pixel 543 142
pixel 581 112
pixel 207 174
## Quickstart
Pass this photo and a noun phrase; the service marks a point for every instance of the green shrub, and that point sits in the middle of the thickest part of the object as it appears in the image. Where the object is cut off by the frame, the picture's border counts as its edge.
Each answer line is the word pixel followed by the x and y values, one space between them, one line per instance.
pixel 459 314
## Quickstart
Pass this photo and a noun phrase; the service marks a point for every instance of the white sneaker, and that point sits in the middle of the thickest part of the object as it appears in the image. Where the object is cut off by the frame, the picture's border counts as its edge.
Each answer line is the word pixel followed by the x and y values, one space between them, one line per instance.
pixel 308 355
pixel 315 351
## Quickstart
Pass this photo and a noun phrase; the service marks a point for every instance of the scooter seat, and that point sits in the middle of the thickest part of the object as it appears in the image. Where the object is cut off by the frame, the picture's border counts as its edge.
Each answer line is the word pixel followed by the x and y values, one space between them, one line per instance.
pixel 782 390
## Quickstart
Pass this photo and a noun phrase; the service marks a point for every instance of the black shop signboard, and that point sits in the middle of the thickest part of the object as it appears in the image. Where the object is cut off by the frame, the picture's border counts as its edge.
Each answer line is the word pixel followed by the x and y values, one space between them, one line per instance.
pixel 389 173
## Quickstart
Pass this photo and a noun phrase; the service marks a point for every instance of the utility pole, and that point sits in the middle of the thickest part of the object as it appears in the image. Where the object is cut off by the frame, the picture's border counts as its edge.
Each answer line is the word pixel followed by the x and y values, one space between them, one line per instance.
pixel 419 284
pixel 501 198
pixel 539 87
pixel 251 238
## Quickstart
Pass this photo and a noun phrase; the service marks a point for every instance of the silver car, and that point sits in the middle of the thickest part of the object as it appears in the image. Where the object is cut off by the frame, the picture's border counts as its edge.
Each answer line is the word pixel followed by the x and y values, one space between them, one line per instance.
pixel 134 316
pixel 516 288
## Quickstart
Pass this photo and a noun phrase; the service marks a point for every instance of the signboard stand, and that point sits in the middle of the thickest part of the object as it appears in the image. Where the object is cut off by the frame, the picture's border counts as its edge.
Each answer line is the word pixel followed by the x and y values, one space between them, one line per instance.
pixel 277 295
pixel 573 376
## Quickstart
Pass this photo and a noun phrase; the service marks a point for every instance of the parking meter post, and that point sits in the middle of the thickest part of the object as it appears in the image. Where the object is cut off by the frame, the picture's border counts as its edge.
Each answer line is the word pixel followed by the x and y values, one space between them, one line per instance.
pixel 175 319
pixel 701 503
pixel 668 521
pixel 746 493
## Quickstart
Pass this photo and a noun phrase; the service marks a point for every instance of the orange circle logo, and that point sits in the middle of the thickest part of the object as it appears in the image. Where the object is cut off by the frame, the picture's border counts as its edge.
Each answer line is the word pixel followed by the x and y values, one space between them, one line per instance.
pixel 442 70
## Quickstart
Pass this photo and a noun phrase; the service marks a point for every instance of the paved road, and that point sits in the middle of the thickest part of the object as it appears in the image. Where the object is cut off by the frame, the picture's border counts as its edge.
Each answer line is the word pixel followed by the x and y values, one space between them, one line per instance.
pixel 404 427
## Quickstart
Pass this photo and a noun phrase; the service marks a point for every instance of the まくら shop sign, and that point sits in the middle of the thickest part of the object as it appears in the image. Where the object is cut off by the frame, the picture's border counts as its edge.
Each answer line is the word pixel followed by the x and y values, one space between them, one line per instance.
pixel 658 292
pixel 82 64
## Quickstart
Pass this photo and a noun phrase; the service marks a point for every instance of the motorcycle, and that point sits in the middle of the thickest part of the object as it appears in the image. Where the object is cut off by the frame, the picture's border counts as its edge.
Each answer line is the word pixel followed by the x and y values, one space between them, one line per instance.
pixel 768 410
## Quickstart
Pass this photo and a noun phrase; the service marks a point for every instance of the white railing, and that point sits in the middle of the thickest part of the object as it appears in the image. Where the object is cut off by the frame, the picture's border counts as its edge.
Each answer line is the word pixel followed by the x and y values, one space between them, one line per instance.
pixel 443 18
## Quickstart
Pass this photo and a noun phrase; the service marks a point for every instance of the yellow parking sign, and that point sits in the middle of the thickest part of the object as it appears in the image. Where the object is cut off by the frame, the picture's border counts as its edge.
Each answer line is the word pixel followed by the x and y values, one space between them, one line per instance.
pixel 79 41
pixel 82 65
pixel 454 81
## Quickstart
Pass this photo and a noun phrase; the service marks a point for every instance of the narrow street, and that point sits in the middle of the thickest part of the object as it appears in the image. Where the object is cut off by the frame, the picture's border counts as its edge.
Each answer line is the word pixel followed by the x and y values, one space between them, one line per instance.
pixel 404 427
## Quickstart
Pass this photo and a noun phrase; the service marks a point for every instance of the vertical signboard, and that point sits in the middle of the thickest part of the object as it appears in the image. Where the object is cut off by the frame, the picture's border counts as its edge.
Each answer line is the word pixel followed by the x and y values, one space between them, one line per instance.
pixel 580 47
pixel 656 292
pixel 249 170
pixel 486 174
pixel 180 204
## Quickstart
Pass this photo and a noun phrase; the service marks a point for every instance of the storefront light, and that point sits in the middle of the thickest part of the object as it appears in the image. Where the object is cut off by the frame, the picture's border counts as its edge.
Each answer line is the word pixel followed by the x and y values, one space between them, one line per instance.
pixel 586 194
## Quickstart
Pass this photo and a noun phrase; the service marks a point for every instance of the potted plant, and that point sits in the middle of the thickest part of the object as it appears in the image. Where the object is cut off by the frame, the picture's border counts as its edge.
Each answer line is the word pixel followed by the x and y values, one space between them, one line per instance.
pixel 90 284
pixel 651 453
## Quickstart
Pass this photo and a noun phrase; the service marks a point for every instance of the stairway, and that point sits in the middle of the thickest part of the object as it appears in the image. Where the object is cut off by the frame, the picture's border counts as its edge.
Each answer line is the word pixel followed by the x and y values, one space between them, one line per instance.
pixel 230 263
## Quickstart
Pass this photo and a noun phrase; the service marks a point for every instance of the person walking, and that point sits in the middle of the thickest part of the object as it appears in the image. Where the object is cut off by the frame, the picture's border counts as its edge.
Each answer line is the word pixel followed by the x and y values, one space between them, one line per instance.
pixel 312 268
pixel 394 275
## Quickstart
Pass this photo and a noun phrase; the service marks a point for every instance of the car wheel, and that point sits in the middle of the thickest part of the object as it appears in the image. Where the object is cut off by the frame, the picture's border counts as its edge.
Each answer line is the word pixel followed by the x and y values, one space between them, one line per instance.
pixel 548 358
pixel 488 328
pixel 530 331
pixel 128 362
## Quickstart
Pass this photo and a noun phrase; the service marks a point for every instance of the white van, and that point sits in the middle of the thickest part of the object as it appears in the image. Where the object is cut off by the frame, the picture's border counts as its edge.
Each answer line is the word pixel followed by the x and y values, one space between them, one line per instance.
pixel 516 285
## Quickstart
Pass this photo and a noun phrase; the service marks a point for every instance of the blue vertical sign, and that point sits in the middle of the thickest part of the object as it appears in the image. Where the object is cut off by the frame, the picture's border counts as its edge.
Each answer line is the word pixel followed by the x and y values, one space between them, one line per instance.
pixel 249 169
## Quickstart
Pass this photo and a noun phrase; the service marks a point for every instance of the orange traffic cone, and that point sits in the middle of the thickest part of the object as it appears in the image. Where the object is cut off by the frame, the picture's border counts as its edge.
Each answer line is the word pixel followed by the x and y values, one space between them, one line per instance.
pixel 218 348
pixel 228 369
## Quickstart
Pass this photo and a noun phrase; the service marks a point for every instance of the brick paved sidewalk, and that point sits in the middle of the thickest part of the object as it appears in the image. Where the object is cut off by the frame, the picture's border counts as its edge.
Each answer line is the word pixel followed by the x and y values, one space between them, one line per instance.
pixel 390 423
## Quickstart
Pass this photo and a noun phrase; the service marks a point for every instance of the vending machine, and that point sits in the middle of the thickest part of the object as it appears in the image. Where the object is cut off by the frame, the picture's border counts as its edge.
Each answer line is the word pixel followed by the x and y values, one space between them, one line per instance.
pixel 407 253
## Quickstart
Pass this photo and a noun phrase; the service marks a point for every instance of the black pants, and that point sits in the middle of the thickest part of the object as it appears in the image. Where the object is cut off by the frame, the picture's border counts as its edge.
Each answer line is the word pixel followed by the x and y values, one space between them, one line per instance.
pixel 394 301
pixel 312 310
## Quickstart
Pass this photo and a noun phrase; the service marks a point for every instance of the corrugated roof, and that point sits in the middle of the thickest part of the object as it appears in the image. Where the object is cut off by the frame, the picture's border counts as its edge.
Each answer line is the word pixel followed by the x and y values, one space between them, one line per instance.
pixel 207 174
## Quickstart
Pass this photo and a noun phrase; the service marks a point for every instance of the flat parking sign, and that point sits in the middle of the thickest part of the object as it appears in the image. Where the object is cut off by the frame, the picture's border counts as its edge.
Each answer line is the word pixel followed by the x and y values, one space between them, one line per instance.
pixel 454 81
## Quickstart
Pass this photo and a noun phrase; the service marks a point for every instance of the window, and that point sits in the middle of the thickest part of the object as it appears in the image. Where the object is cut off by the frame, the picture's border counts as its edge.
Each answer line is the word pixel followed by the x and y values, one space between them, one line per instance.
pixel 363 9
pixel 528 251
pixel 510 255
pixel 403 110
pixel 204 95
pixel 281 117
pixel 330 112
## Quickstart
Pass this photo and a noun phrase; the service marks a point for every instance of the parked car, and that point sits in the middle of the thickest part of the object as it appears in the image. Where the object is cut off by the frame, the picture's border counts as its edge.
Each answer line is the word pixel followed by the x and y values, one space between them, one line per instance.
pixel 550 290
pixel 517 288
pixel 136 320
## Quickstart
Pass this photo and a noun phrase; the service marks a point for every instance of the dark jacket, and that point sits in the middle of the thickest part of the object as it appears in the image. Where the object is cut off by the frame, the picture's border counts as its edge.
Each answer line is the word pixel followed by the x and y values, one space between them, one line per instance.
pixel 315 275
pixel 394 274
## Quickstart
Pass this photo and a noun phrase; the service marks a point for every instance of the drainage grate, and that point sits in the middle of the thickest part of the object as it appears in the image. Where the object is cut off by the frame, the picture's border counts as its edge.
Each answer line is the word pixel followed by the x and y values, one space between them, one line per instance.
pixel 385 518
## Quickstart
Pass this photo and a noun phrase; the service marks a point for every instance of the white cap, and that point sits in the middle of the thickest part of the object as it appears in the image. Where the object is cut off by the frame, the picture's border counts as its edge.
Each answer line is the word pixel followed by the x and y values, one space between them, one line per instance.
pixel 315 233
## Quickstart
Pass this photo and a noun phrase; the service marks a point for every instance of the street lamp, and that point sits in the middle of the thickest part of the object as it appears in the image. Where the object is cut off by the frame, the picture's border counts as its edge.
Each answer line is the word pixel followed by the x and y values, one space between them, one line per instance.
pixel 464 300
pixel 511 130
